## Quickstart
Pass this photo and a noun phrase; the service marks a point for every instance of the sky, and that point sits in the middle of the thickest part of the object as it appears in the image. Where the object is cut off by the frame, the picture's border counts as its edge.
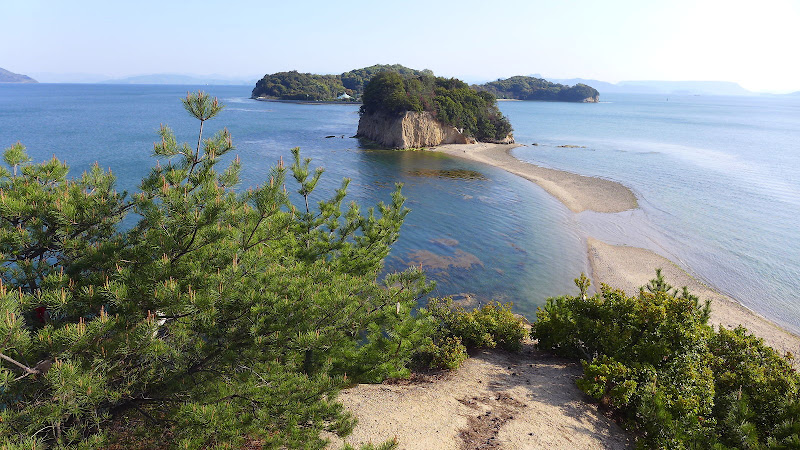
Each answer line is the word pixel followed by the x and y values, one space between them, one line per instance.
pixel 751 43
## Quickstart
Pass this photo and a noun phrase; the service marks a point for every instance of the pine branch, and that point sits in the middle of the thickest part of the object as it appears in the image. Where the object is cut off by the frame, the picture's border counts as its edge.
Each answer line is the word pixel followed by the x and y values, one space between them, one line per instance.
pixel 28 370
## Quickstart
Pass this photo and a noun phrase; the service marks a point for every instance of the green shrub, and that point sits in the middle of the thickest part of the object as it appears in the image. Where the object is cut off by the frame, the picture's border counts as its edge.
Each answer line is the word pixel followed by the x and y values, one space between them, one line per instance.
pixel 445 352
pixel 676 381
pixel 493 325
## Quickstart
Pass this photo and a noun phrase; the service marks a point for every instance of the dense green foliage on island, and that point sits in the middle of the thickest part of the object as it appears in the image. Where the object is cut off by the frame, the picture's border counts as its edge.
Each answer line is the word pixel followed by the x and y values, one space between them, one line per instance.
pixel 530 88
pixel 450 100
pixel 311 87
pixel 675 380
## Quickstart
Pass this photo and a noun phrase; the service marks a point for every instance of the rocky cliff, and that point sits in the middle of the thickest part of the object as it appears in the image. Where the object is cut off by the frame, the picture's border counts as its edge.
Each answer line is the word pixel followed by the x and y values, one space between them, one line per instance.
pixel 409 130
pixel 594 99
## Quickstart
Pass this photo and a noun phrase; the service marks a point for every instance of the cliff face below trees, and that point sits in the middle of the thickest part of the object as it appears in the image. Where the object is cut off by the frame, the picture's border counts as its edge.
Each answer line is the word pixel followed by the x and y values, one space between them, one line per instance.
pixel 410 130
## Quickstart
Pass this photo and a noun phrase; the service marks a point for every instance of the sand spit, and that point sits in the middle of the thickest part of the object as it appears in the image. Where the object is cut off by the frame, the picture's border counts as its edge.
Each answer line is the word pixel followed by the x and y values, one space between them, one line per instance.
pixel 628 268
pixel 496 400
pixel 577 192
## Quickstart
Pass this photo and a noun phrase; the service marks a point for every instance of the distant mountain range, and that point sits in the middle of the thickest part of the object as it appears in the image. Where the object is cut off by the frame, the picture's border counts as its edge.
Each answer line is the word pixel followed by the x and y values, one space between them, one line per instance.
pixel 11 77
pixel 167 78
pixel 662 87
pixel 160 78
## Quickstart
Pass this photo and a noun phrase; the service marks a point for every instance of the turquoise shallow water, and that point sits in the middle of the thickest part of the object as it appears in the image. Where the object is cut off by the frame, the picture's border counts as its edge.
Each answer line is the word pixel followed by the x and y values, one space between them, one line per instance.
pixel 501 238
pixel 717 178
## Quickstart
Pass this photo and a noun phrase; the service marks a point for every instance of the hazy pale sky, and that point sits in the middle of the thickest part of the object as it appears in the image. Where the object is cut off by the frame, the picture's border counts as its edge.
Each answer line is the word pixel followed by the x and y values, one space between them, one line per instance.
pixel 752 43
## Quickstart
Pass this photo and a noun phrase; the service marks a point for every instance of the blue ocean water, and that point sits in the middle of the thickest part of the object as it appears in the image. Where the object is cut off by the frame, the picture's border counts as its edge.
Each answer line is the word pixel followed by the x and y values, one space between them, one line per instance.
pixel 500 238
pixel 717 179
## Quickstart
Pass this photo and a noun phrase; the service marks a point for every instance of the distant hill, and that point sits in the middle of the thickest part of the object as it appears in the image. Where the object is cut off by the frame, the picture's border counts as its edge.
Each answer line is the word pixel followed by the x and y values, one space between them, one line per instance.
pixel 662 87
pixel 687 87
pixel 532 88
pixel 11 77
pixel 312 87
pixel 603 86
pixel 167 78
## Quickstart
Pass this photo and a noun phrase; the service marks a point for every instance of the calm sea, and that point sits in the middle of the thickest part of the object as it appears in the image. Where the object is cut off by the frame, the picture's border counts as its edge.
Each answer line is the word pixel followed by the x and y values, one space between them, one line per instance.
pixel 716 178
pixel 495 238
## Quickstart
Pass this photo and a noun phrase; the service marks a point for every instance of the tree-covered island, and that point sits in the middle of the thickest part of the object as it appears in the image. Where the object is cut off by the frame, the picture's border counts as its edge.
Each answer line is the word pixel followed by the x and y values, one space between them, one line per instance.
pixel 530 88
pixel 347 86
pixel 449 101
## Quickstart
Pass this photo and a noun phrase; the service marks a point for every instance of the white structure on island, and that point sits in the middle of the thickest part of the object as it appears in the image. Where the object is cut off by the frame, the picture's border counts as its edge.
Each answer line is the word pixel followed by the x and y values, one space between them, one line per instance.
pixel 344 97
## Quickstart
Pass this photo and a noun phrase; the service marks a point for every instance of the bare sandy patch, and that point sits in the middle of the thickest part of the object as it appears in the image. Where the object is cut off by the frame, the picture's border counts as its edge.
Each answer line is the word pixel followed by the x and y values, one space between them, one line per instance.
pixel 495 400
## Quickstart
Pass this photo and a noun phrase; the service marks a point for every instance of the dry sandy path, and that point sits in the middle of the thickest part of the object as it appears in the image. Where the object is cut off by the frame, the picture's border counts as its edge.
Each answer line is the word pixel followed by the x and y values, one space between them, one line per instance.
pixel 496 400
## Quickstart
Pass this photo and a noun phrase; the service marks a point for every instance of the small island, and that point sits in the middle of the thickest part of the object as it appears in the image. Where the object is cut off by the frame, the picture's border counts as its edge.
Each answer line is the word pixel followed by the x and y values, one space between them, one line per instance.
pixel 11 77
pixel 423 111
pixel 310 87
pixel 531 88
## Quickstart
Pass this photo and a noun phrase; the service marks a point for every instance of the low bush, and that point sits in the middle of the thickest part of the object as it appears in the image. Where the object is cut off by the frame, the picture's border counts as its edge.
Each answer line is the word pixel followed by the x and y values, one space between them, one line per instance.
pixel 675 380
pixel 490 326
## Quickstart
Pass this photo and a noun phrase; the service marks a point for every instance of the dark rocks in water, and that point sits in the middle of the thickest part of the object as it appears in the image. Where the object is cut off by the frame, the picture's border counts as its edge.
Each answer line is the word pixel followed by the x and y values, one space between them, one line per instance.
pixel 331 136
pixel 462 174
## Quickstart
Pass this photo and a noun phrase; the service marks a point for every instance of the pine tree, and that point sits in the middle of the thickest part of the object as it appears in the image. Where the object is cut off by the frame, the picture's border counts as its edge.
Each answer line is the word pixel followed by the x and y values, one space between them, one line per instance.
pixel 221 316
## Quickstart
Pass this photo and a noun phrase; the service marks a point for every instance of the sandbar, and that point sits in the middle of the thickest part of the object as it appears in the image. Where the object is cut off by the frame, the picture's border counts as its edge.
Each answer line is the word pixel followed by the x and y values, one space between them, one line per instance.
pixel 579 193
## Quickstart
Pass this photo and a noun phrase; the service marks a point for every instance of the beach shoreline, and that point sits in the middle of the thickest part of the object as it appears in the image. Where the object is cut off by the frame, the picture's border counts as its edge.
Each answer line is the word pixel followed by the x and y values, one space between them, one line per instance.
pixel 624 267
pixel 578 192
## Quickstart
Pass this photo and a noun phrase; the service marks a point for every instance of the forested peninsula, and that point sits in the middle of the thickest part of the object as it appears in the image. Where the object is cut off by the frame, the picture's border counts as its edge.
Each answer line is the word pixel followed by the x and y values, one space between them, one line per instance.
pixel 531 88
pixel 348 86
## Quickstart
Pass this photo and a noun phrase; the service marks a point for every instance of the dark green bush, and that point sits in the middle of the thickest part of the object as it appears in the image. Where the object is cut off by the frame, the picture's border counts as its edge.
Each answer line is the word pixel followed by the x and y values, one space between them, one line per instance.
pixel 443 352
pixel 676 381
pixel 491 326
